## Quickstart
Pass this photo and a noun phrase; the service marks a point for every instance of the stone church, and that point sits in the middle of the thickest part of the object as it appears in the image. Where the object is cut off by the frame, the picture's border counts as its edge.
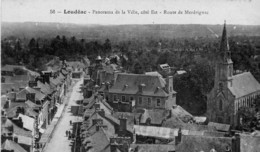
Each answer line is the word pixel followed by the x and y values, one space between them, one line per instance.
pixel 230 92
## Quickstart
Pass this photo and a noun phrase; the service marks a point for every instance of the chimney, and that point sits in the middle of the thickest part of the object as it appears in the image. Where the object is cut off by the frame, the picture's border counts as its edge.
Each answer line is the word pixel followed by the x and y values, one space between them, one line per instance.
pixel 97 106
pixel 169 84
pixel 122 126
pixel 107 86
pixel 32 84
pixel 46 78
pixel 30 96
pixel 178 138
pixel 12 96
pixel 98 127
pixel 18 121
pixel 236 143
pixel 7 104
pixel 15 139
pixel 101 112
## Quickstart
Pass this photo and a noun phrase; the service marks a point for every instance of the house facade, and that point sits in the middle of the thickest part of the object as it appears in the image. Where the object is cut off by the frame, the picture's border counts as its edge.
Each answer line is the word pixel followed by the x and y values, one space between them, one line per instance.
pixel 140 91
pixel 230 92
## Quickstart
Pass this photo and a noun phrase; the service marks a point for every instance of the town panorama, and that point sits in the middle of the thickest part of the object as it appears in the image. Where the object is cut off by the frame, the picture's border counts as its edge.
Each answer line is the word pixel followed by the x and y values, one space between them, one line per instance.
pixel 129 88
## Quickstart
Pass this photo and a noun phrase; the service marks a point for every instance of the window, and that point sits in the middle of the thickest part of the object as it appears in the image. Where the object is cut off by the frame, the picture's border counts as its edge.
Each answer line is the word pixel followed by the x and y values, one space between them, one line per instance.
pixel 220 105
pixel 220 86
pixel 123 98
pixel 115 97
pixel 149 101
pixel 158 102
pixel 131 98
pixel 228 119
pixel 220 120
pixel 140 100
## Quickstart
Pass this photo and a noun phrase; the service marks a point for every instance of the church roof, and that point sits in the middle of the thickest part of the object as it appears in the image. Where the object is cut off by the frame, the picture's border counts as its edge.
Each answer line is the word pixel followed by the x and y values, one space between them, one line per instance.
pixel 244 84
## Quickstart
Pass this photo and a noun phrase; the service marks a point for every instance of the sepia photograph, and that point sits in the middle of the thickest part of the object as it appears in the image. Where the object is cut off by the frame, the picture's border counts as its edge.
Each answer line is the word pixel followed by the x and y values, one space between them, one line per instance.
pixel 130 76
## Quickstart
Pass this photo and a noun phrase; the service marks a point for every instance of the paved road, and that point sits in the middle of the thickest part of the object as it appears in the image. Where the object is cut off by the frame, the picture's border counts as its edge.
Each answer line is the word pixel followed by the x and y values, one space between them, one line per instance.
pixel 59 141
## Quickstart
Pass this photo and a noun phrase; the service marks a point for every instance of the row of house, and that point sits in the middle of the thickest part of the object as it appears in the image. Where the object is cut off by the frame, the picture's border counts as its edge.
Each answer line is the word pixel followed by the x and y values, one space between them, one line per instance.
pixel 29 104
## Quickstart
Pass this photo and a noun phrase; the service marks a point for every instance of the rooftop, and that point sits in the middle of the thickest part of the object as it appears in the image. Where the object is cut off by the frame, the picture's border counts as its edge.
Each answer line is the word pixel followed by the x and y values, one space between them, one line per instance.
pixel 153 85
pixel 244 84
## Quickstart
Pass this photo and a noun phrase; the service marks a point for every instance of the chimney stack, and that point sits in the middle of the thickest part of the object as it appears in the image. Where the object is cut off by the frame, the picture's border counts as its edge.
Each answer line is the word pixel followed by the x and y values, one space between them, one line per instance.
pixel 122 126
pixel 15 139
pixel 169 84
pixel 236 143
pixel 97 106
pixel 46 77
pixel 178 138
pixel 101 112
pixel 12 96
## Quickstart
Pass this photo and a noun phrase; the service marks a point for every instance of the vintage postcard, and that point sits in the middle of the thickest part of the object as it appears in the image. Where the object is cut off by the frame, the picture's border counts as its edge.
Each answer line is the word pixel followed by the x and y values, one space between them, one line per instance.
pixel 130 76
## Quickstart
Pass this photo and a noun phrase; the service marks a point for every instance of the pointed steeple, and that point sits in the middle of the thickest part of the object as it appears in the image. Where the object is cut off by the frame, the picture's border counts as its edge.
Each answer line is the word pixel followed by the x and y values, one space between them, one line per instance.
pixel 224 46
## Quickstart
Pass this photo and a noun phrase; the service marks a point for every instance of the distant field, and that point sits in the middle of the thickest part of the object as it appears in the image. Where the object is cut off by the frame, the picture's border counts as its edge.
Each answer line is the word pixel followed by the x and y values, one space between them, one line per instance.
pixel 122 32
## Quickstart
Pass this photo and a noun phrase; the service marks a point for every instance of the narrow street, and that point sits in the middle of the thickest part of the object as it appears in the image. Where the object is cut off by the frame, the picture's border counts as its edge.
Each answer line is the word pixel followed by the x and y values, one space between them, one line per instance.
pixel 59 142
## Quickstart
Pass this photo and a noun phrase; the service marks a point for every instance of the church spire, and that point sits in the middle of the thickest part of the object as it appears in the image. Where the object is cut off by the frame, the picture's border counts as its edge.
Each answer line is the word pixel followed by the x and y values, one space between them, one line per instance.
pixel 224 46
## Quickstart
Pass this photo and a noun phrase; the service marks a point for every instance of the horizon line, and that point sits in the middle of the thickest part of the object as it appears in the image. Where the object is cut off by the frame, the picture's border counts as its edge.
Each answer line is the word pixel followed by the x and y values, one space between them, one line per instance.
pixel 128 23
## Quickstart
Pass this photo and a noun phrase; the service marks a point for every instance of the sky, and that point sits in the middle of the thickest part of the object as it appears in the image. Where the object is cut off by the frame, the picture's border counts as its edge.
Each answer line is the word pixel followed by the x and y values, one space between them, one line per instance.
pixel 245 12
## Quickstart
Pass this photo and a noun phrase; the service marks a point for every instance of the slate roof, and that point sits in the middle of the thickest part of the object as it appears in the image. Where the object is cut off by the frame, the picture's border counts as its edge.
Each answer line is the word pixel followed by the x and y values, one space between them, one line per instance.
pixel 244 84
pixel 219 126
pixel 154 73
pixel 9 86
pixel 131 118
pixel 176 123
pixel 11 145
pixel 181 113
pixel 152 147
pixel 158 132
pixel 203 143
pixel 98 142
pixel 11 67
pixel 154 85
pixel 10 126
pixel 45 88
pixel 22 93
pixel 11 112
pixel 157 116
pixel 32 104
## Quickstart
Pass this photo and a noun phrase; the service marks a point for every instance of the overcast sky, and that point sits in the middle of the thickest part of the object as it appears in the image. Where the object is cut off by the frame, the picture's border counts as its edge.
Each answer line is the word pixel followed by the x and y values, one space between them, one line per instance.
pixel 245 12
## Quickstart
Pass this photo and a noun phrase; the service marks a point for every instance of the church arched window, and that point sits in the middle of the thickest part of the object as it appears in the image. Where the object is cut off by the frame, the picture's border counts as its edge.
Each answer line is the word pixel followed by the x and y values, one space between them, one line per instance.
pixel 220 86
pixel 220 104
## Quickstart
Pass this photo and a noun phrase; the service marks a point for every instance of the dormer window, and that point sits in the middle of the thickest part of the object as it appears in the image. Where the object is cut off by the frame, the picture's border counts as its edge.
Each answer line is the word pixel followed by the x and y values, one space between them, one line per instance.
pixel 125 86
pixel 141 87
pixel 157 89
